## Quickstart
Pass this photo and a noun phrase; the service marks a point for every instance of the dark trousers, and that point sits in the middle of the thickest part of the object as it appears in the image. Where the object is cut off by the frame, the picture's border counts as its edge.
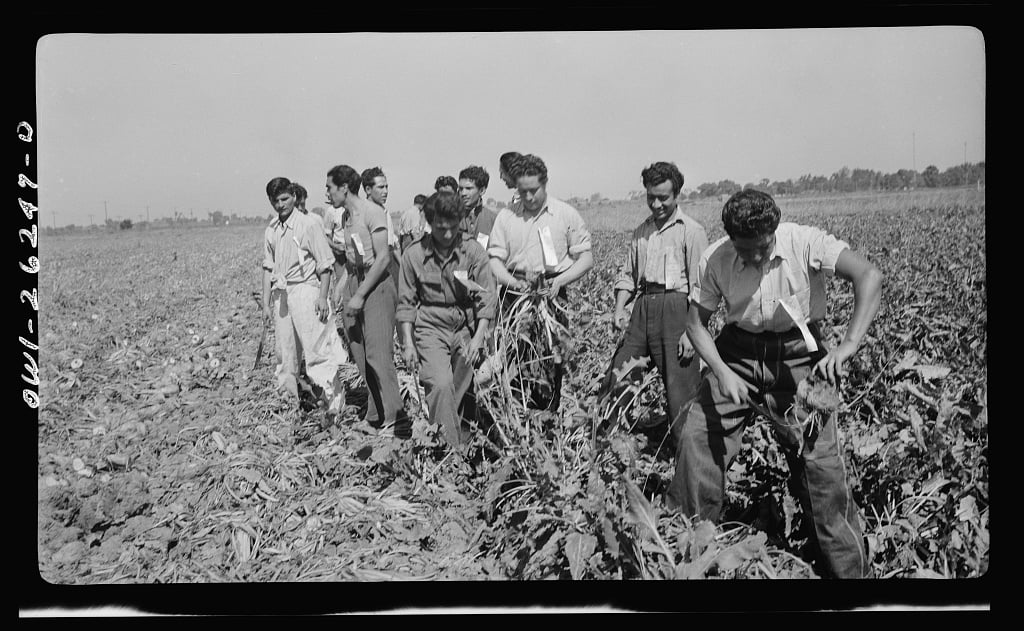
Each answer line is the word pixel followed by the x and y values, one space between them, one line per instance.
pixel 658 320
pixel 712 436
pixel 371 337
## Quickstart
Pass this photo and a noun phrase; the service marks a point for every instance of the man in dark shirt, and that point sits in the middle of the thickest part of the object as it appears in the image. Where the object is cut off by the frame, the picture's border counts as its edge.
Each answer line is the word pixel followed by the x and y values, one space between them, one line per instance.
pixel 446 302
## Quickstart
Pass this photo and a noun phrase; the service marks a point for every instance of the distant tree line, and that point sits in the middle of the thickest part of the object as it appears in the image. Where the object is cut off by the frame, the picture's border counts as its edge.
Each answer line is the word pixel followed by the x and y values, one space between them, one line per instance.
pixel 847 180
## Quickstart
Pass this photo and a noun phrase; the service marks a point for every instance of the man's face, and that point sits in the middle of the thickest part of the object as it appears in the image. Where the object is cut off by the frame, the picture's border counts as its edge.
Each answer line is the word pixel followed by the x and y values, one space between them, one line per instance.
pixel 661 200
pixel 284 204
pixel 532 192
pixel 754 251
pixel 444 231
pixel 336 195
pixel 506 178
pixel 379 191
pixel 470 193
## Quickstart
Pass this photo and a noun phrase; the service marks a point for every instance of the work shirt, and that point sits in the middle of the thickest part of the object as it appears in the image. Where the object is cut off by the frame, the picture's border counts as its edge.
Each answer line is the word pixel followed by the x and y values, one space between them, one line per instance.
pixel 354 228
pixel 667 256
pixel 794 273
pixel 295 251
pixel 515 239
pixel 429 292
pixel 477 224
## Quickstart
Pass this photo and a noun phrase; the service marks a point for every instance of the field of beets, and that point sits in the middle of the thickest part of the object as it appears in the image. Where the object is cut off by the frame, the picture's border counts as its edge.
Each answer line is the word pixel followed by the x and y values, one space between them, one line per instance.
pixel 164 456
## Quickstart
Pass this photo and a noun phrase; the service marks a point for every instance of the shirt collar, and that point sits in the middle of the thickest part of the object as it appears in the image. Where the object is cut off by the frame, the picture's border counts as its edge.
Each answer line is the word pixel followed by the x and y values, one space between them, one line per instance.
pixel 287 223
pixel 427 242
pixel 777 252
pixel 521 210
pixel 674 218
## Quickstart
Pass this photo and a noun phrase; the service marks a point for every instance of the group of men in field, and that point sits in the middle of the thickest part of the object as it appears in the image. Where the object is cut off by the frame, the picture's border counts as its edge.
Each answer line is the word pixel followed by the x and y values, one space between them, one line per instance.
pixel 441 275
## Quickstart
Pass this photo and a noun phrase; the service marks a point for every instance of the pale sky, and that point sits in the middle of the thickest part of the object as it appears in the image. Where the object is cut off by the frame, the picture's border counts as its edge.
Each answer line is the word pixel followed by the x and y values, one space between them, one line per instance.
pixel 204 121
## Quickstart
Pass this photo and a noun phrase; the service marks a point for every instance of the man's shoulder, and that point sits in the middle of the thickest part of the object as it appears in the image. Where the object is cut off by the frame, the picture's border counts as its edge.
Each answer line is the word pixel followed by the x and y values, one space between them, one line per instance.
pixel 416 248
pixel 691 223
pixel 720 250
pixel 473 248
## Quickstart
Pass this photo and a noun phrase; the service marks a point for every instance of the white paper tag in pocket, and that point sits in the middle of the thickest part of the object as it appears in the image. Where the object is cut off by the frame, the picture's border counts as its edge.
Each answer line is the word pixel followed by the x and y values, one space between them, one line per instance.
pixel 792 307
pixel 356 241
pixel 463 277
pixel 548 246
pixel 426 228
pixel 482 239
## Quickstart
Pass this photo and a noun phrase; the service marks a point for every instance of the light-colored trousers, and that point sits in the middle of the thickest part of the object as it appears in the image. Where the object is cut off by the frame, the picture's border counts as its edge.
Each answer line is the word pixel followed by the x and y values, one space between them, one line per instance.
pixel 297 329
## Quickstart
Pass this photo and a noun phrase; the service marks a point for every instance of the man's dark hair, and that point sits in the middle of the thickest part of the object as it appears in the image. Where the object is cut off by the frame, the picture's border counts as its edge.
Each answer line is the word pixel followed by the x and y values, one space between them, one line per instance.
pixel 299 191
pixel 477 174
pixel 750 214
pixel 371 174
pixel 444 205
pixel 531 165
pixel 446 180
pixel 277 186
pixel 508 160
pixel 344 175
pixel 419 199
pixel 662 172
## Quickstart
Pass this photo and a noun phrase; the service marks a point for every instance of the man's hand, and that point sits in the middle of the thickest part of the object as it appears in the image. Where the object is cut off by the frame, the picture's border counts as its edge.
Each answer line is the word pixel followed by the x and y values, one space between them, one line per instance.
pixel 354 306
pixel 832 366
pixel 320 308
pixel 621 320
pixel 520 284
pixel 476 348
pixel 556 284
pixel 685 350
pixel 410 357
pixel 733 387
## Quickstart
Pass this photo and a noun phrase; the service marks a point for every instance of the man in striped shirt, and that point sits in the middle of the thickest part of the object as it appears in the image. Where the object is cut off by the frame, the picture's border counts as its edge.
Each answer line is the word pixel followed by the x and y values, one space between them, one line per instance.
pixel 771 278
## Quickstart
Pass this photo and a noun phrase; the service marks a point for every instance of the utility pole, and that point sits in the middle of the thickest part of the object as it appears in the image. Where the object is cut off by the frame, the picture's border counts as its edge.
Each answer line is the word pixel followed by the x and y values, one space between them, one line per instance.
pixel 90 220
pixel 105 218
pixel 147 213
pixel 913 139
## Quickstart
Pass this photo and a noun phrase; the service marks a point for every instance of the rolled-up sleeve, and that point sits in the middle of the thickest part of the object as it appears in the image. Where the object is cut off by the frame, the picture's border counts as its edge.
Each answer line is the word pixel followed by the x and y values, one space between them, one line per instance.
pixel 268 252
pixel 706 291
pixel 696 241
pixel 484 302
pixel 822 249
pixel 497 245
pixel 316 242
pixel 408 300
pixel 579 236
pixel 626 277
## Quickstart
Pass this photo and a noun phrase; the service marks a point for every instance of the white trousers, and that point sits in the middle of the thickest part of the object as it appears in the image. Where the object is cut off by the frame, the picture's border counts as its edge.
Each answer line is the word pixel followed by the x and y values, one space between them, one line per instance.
pixel 297 329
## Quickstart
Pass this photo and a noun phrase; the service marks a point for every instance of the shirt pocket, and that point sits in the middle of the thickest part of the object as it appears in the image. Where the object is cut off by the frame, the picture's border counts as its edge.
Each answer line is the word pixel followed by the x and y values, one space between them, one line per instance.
pixel 433 287
pixel 780 318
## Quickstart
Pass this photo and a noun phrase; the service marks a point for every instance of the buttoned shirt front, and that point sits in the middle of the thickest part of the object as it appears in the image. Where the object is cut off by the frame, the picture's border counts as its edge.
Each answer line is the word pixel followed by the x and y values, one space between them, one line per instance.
pixel 795 271
pixel 428 285
pixel 668 256
pixel 295 251
pixel 515 239
pixel 354 227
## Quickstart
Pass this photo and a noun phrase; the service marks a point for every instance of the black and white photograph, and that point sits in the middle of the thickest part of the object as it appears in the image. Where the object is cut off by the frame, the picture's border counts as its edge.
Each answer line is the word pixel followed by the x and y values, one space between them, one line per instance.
pixel 420 312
